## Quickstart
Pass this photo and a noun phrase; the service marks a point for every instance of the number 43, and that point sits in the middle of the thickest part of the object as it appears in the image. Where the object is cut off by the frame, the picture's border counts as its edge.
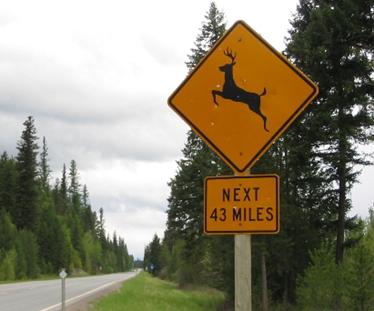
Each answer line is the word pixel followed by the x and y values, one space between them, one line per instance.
pixel 218 214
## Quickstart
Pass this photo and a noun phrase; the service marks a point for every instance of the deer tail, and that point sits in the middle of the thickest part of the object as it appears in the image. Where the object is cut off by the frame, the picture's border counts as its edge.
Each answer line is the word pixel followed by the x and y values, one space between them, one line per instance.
pixel 264 92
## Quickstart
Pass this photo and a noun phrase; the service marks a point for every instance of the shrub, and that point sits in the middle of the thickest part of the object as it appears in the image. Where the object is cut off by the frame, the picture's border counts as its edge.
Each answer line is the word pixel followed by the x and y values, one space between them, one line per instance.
pixel 7 266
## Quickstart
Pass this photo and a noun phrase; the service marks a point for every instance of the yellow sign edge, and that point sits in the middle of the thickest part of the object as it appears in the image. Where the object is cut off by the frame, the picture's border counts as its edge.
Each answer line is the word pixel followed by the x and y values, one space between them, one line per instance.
pixel 245 231
pixel 277 134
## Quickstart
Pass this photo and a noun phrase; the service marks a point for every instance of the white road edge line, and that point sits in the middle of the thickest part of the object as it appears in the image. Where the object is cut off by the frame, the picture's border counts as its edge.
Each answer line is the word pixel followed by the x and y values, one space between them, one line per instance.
pixel 80 296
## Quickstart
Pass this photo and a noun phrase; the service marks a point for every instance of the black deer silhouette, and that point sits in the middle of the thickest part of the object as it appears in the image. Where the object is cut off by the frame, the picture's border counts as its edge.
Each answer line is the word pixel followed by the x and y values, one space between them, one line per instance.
pixel 231 91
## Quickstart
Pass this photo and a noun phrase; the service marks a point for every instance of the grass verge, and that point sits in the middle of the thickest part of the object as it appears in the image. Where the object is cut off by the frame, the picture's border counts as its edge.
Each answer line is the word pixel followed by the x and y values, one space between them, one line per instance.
pixel 145 293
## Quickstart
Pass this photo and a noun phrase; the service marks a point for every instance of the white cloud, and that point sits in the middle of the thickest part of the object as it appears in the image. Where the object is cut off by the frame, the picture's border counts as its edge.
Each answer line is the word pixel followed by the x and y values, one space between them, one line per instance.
pixel 137 230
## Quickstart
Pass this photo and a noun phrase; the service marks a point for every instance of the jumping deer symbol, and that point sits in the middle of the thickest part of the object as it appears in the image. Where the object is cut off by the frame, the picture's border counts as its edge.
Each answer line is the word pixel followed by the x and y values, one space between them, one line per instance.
pixel 231 91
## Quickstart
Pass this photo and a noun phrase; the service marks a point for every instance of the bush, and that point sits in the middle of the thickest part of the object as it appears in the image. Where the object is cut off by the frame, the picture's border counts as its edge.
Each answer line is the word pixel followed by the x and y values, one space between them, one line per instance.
pixel 27 255
pixel 348 286
pixel 7 266
pixel 323 285
pixel 7 231
pixel 359 263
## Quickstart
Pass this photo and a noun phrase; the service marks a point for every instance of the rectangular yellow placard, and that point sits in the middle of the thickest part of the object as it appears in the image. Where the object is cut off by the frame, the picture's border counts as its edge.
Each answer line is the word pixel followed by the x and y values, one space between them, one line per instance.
pixel 237 204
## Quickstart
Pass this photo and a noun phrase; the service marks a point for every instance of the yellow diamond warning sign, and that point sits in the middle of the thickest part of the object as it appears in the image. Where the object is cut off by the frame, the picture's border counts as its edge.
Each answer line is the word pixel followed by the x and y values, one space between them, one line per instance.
pixel 242 96
pixel 234 204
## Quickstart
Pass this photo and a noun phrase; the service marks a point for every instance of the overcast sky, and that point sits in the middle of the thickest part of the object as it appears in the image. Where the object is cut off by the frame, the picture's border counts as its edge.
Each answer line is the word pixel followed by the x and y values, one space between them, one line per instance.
pixel 96 76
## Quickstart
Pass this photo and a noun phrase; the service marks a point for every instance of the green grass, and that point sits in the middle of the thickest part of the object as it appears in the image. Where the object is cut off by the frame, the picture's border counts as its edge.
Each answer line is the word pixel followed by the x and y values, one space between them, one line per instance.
pixel 148 293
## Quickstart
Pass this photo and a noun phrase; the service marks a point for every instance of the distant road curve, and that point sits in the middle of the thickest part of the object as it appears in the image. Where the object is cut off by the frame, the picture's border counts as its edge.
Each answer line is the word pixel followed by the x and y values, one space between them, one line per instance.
pixel 46 295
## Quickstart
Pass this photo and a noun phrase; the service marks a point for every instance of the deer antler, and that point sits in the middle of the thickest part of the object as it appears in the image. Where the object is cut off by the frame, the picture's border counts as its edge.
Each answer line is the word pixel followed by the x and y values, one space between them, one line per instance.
pixel 229 54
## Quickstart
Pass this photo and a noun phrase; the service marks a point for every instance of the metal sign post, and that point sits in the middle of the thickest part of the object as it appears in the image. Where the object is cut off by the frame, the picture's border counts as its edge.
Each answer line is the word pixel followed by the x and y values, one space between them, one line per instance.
pixel 243 267
pixel 63 276
pixel 243 273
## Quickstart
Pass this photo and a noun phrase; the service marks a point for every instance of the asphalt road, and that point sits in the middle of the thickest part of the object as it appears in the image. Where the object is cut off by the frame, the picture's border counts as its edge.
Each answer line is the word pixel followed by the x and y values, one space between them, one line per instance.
pixel 46 295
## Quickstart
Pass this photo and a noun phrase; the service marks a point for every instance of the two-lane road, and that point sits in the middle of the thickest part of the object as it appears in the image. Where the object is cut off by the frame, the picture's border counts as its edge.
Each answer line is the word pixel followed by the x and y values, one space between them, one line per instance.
pixel 46 295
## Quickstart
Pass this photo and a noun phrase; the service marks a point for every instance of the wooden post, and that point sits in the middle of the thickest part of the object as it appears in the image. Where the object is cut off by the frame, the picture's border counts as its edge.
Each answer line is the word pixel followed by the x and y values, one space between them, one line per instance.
pixel 243 269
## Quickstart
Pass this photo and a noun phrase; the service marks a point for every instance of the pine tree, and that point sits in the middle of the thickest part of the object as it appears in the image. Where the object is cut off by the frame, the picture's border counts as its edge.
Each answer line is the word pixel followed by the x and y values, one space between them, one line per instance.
pixel 26 212
pixel 47 239
pixel 303 159
pixel 306 215
pixel 153 255
pixel 74 186
pixel 332 42
pixel 43 230
pixel 7 183
pixel 212 29
pixel 63 193
pixel 198 159
pixel 100 229
pixel 44 169
pixel 60 193
pixel 89 218
pixel 64 187
pixel 74 215
pixel 184 240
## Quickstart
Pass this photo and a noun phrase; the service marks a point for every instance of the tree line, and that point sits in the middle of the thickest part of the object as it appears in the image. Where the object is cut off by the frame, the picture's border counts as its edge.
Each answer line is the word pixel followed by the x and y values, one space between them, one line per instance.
pixel 321 258
pixel 44 228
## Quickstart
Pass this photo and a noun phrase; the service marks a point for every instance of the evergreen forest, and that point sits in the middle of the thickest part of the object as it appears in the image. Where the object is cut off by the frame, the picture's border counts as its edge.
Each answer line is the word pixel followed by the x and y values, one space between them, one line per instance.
pixel 44 228
pixel 322 259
